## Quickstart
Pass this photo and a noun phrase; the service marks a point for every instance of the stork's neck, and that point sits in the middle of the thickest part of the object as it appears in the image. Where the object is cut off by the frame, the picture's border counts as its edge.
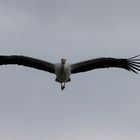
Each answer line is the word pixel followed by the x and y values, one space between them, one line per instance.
pixel 63 62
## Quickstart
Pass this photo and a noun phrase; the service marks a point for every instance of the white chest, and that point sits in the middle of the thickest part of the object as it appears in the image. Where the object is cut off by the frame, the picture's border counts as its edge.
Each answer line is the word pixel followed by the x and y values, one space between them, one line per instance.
pixel 63 72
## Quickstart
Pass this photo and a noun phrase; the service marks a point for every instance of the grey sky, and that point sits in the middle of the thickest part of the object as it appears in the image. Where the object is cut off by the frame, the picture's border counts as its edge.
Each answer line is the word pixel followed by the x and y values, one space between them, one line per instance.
pixel 101 104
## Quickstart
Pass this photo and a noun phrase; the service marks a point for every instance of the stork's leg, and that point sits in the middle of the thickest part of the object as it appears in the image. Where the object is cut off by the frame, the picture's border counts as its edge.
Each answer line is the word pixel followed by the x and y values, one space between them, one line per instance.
pixel 62 86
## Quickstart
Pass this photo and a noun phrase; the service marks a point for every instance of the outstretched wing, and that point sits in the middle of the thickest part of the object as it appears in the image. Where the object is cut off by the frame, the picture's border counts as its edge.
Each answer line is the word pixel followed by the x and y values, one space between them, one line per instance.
pixel 131 64
pixel 28 62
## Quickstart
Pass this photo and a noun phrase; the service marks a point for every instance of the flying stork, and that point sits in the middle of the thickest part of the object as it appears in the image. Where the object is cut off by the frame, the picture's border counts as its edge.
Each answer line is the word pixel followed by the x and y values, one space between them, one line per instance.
pixel 63 70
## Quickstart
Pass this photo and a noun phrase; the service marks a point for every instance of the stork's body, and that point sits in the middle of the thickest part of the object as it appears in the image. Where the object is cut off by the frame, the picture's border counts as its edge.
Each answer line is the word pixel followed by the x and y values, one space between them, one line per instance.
pixel 63 70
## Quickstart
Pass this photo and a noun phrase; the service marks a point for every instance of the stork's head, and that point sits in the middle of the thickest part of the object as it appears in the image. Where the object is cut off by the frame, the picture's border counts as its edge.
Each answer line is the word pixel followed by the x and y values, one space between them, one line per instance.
pixel 63 60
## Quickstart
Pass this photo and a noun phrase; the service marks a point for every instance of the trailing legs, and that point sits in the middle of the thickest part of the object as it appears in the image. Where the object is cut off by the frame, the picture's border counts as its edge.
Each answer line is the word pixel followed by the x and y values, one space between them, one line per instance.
pixel 62 86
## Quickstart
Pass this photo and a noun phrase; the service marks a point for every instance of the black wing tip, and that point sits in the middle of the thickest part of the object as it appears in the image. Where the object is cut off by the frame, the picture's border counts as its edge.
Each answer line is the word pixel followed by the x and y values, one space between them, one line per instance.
pixel 134 56
pixel 134 64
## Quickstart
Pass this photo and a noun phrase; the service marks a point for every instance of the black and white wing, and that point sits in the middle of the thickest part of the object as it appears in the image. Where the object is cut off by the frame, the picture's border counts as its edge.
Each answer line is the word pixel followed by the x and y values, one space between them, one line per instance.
pixel 131 64
pixel 28 62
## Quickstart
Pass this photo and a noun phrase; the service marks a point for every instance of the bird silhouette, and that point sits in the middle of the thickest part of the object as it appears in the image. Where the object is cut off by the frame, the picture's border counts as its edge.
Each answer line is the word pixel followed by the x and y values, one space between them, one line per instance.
pixel 63 69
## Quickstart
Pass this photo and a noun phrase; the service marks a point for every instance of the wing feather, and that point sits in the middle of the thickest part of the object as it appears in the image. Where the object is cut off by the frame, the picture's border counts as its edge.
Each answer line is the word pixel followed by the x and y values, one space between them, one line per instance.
pixel 130 64
pixel 27 61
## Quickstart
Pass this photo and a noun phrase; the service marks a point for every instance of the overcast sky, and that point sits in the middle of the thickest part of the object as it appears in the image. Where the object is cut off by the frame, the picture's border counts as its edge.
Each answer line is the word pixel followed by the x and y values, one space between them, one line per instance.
pixel 97 105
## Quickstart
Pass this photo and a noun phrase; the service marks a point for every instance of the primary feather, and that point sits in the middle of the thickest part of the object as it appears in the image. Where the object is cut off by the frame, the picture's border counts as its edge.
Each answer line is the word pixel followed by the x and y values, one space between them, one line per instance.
pixel 27 61
pixel 130 64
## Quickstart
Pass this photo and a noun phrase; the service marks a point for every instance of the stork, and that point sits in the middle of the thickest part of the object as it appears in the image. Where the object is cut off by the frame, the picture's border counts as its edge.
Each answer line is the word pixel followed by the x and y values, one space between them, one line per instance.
pixel 63 69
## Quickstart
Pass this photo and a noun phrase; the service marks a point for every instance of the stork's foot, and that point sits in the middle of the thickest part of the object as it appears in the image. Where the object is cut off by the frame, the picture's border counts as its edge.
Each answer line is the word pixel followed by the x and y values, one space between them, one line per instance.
pixel 62 86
